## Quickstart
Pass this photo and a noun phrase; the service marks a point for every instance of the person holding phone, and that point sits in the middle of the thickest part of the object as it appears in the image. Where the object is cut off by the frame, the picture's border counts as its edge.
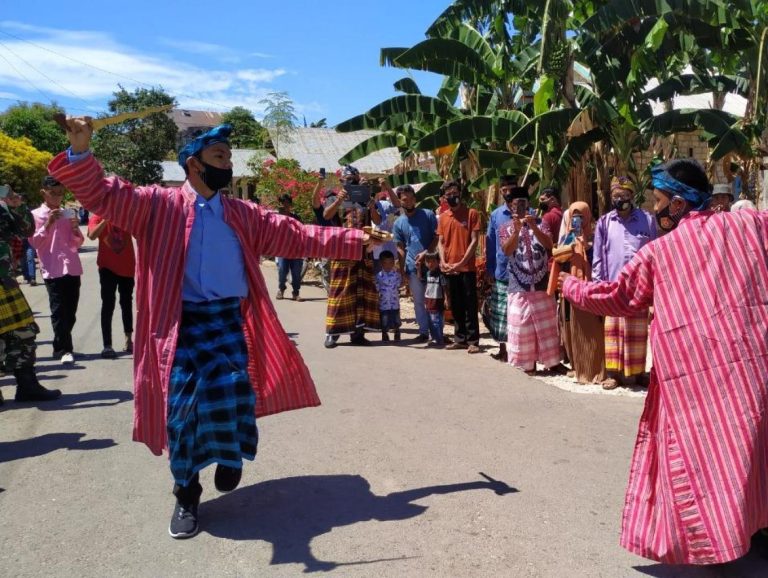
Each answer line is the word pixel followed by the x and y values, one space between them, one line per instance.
pixel 17 325
pixel 56 239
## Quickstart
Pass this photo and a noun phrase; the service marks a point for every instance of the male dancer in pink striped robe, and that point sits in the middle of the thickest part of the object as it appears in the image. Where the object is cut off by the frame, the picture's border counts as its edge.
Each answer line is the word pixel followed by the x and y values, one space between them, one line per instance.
pixel 194 242
pixel 698 485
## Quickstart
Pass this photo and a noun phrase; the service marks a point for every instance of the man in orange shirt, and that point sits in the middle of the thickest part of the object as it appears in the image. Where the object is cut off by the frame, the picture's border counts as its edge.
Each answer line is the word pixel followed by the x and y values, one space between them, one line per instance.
pixel 458 230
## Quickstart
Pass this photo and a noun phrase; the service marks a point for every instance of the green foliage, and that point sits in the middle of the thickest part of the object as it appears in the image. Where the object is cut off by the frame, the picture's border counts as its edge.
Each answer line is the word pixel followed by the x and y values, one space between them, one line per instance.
pixel 23 166
pixel 247 132
pixel 35 122
pixel 279 117
pixel 134 149
pixel 276 178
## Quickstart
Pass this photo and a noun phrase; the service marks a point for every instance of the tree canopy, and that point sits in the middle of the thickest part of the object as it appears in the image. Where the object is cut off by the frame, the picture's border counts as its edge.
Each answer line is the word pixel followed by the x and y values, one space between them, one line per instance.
pixel 35 122
pixel 23 166
pixel 247 132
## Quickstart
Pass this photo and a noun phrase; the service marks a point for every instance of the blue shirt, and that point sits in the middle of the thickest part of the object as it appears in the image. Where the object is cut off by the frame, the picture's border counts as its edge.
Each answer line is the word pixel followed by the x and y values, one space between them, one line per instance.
pixel 495 260
pixel 214 268
pixel 416 233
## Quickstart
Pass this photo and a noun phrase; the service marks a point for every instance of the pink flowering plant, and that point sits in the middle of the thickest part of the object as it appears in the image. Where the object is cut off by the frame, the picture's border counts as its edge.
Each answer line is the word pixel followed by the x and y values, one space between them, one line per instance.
pixel 276 178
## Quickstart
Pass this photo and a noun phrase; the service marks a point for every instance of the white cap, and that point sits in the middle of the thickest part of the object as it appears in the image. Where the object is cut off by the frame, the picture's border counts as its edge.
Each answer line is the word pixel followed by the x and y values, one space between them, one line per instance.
pixel 722 190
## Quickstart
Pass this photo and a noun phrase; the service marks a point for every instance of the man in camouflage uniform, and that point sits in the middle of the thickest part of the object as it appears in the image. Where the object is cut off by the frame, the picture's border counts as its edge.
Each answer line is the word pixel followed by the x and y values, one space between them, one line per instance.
pixel 17 326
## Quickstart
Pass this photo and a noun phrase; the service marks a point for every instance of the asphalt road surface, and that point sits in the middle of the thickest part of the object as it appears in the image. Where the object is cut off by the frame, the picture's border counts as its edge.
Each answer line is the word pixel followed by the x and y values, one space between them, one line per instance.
pixel 419 463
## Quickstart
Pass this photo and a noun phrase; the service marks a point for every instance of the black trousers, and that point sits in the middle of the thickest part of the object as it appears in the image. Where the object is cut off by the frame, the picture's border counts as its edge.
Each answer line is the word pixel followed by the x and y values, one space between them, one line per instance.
pixel 463 288
pixel 189 494
pixel 63 296
pixel 110 283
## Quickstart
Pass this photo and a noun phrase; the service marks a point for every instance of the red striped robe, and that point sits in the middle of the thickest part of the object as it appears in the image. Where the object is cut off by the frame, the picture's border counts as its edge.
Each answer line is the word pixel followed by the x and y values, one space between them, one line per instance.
pixel 698 485
pixel 161 220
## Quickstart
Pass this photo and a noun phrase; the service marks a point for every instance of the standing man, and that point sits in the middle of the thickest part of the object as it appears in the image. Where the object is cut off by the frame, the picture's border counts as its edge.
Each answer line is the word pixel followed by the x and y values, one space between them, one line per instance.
pixel 415 233
pixel 722 198
pixel 549 203
pixel 285 265
pixel 699 473
pixel 17 325
pixel 496 264
pixel 56 239
pixel 458 230
pixel 210 351
pixel 353 301
pixel 117 265
pixel 619 235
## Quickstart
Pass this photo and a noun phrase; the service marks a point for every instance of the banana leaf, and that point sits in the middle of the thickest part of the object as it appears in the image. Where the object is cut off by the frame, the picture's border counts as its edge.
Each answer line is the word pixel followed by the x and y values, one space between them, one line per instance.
pixel 413 177
pixel 714 123
pixel 502 161
pixel 371 145
pixel 686 84
pixel 476 128
pixel 552 123
pixel 733 140
pixel 407 85
pixel 406 104
pixel 445 56
pixel 449 90
pixel 429 192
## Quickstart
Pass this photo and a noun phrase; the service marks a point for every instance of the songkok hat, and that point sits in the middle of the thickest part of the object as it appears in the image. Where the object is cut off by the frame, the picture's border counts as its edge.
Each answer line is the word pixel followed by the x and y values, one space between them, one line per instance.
pixel 49 181
pixel 518 193
pixel 622 184
pixel 215 135
pixel 723 190
pixel 448 184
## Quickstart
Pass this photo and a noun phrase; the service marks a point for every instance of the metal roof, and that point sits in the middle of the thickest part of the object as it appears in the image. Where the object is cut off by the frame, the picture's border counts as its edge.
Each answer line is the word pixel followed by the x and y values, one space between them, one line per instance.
pixel 194 118
pixel 173 173
pixel 317 148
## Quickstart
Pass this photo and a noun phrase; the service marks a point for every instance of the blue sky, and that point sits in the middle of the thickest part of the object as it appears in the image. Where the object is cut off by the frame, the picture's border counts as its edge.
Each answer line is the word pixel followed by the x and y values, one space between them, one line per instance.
pixel 210 55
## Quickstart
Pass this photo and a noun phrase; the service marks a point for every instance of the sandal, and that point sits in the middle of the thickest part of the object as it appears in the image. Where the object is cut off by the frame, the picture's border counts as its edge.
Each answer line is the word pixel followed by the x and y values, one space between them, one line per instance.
pixel 473 349
pixel 609 384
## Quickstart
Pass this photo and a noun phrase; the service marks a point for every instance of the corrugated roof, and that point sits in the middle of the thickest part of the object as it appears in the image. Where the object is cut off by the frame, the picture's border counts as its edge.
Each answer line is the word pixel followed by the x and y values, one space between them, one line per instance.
pixel 317 148
pixel 185 118
pixel 173 173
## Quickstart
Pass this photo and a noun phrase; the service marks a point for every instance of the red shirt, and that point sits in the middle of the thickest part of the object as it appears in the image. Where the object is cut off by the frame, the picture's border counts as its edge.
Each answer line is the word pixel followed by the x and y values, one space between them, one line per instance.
pixel 115 248
pixel 553 217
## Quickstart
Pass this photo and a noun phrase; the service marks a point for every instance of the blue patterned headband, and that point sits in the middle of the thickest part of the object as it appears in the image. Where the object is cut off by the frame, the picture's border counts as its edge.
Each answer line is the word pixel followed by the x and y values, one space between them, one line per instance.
pixel 215 135
pixel 664 181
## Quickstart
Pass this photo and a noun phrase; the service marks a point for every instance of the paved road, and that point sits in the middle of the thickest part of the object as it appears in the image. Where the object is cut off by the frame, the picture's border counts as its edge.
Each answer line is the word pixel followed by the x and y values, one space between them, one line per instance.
pixel 389 477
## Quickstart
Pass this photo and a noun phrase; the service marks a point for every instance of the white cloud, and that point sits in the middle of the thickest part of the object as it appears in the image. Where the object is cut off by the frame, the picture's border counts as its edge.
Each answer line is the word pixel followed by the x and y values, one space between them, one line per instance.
pixel 90 64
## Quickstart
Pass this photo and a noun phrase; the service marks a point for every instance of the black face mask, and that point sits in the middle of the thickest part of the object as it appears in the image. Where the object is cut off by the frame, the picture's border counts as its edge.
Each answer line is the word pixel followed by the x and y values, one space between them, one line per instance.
pixel 215 178
pixel 411 210
pixel 666 220
pixel 452 201
pixel 622 205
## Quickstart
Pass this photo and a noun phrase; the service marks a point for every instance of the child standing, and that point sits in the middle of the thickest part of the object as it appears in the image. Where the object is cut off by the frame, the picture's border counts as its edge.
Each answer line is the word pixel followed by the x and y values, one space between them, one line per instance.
pixel 388 282
pixel 436 298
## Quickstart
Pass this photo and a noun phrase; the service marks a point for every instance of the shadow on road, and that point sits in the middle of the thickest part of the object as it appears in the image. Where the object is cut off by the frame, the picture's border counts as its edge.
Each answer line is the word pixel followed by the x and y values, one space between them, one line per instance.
pixel 290 512
pixel 47 443
pixel 84 400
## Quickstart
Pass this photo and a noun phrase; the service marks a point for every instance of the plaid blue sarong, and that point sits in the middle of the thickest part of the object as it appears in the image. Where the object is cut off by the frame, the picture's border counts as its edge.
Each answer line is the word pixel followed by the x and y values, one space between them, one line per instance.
pixel 210 398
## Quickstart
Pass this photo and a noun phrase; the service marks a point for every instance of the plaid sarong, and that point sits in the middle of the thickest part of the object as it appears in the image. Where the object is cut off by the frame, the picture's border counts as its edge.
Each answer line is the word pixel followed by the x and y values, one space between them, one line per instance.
pixel 532 330
pixel 211 401
pixel 14 309
pixel 626 344
pixel 495 311
pixel 353 301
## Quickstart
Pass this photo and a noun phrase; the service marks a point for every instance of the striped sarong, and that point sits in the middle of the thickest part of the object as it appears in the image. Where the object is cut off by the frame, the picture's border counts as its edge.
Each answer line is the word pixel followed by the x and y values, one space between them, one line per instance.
pixel 211 402
pixel 14 309
pixel 626 344
pixel 353 301
pixel 495 311
pixel 532 330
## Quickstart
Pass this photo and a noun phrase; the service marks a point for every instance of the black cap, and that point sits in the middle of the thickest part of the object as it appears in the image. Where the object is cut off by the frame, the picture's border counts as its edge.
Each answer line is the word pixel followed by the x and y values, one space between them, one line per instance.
pixel 285 198
pixel 49 181
pixel 517 193
pixel 448 184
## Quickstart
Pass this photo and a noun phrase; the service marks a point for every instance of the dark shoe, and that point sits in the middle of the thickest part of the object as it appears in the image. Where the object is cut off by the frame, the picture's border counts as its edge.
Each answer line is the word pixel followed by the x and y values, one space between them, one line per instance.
pixel 108 353
pixel 422 338
pixel 384 336
pixel 359 340
pixel 296 297
pixel 128 345
pixel 2 401
pixel 184 521
pixel 330 341
pixel 226 478
pixel 280 295
pixel 29 389
pixel 32 282
pixel 397 335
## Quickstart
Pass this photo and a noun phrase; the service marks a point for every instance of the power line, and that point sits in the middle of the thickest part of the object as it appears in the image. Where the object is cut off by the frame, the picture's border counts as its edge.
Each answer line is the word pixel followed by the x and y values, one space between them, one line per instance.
pixel 18 100
pixel 41 73
pixel 32 84
pixel 218 104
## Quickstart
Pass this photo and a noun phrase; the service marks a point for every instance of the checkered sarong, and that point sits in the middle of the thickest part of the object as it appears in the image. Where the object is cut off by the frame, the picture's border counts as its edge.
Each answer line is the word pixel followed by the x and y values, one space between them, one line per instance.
pixel 14 309
pixel 211 401
pixel 495 311
pixel 532 330
pixel 626 344
pixel 353 301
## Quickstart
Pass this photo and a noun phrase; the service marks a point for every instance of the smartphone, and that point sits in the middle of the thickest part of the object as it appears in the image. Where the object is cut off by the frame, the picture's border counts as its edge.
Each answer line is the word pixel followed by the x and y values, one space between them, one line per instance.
pixel 322 173
pixel 5 190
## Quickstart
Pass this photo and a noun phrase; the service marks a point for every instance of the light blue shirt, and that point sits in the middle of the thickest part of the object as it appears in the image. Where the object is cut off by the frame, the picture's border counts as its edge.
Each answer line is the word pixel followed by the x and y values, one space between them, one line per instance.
pixel 215 267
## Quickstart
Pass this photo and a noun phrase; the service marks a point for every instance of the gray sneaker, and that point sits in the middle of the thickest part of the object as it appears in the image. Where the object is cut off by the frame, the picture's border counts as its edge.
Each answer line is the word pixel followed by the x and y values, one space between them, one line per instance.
pixel 184 521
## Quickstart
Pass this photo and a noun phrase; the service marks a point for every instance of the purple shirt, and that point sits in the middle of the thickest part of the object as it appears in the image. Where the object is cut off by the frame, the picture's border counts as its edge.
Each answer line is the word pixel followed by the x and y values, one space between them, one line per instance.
pixel 617 240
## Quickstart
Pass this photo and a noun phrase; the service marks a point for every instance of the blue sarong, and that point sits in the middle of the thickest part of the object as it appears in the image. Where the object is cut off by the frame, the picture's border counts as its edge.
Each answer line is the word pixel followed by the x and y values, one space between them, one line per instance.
pixel 210 398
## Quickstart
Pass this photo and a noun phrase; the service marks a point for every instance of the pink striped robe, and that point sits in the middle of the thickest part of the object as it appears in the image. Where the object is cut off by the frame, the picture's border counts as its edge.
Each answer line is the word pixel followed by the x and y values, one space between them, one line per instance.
pixel 161 220
pixel 698 483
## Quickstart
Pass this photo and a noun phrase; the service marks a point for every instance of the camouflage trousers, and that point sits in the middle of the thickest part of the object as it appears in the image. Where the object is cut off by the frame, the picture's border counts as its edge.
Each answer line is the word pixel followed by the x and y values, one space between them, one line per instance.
pixel 17 347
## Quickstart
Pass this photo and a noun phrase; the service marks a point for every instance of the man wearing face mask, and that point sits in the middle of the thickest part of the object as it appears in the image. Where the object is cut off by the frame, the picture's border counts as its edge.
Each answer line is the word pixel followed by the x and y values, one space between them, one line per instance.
pixel 415 233
pixel 549 202
pixel 495 306
pixel 620 234
pixel 458 230
pixel 697 487
pixel 209 351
